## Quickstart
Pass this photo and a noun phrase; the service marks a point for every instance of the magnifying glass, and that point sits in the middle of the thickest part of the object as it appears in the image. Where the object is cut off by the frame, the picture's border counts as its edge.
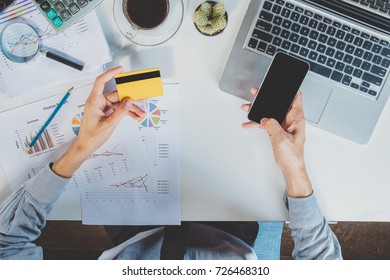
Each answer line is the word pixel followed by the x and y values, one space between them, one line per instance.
pixel 20 43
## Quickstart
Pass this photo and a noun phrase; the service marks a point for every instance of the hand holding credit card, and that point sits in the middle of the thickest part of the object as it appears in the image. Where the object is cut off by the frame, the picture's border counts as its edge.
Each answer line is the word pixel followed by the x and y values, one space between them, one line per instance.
pixel 139 84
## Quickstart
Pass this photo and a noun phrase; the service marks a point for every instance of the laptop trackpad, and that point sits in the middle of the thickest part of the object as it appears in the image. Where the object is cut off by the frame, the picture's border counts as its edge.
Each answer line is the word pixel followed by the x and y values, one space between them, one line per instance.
pixel 315 95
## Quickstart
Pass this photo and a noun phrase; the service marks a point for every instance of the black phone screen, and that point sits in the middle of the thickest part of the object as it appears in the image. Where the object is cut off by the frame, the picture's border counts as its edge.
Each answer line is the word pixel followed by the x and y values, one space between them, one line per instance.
pixel 280 85
pixel 4 4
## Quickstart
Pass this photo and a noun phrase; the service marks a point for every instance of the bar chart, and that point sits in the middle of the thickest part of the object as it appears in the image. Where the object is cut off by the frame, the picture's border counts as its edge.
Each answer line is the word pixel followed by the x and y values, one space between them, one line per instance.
pixel 44 143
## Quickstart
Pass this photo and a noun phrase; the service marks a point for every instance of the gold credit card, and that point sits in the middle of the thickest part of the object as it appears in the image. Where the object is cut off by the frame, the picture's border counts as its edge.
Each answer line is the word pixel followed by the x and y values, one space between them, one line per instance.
pixel 139 84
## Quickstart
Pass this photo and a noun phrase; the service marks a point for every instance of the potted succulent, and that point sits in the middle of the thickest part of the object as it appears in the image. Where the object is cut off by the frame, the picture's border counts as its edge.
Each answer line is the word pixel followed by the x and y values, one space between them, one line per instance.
pixel 210 18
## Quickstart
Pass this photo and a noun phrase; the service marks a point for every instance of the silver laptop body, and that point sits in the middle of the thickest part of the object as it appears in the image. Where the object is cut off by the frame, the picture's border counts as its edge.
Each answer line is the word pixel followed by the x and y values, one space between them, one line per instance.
pixel 343 96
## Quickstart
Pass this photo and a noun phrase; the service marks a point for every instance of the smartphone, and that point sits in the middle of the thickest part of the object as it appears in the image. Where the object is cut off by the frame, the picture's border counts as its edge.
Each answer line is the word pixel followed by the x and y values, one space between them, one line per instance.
pixel 279 88
pixel 4 4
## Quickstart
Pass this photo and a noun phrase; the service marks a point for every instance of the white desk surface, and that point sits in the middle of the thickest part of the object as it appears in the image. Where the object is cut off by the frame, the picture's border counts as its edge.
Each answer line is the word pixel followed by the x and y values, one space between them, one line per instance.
pixel 229 173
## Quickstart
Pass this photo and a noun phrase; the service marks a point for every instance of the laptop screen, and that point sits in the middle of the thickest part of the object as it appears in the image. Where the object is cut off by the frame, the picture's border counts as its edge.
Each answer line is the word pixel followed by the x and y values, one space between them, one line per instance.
pixel 354 12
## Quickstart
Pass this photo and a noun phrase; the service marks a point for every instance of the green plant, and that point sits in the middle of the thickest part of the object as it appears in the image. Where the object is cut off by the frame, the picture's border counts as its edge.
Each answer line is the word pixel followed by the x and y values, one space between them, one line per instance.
pixel 210 18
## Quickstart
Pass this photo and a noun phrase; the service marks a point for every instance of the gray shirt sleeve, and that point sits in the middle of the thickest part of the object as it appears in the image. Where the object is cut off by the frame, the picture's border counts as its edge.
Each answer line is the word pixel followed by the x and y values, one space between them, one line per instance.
pixel 312 236
pixel 24 213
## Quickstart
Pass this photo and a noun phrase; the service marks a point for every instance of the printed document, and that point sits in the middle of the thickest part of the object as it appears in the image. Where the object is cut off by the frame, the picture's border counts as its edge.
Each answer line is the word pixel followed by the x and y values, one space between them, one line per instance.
pixel 133 179
pixel 42 73
pixel 148 197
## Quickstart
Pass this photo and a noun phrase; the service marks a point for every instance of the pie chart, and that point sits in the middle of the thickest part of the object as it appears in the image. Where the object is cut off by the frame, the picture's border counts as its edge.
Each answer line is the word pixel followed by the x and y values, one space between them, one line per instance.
pixel 153 115
pixel 76 122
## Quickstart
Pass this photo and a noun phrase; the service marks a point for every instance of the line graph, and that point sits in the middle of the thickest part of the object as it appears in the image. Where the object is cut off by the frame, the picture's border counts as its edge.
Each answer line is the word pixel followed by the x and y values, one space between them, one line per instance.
pixel 92 173
pixel 135 183
pixel 31 37
pixel 106 154
pixel 139 189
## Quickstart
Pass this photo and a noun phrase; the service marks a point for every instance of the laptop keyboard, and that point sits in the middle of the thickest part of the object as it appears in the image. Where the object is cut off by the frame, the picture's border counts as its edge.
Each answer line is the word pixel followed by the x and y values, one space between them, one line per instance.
pixel 376 5
pixel 334 49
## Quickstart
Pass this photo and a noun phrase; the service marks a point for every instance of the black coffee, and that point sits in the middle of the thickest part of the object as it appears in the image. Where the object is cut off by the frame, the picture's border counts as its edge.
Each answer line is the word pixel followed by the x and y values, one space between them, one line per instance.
pixel 146 14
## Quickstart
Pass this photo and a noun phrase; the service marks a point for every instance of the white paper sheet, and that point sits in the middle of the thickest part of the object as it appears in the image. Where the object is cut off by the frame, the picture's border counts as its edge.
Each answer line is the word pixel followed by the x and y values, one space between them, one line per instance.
pixel 121 185
pixel 21 124
pixel 152 199
pixel 42 73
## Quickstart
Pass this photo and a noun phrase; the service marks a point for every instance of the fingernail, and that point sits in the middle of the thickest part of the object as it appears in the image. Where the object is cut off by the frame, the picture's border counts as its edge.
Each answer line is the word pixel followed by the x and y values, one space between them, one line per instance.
pixel 128 103
pixel 263 121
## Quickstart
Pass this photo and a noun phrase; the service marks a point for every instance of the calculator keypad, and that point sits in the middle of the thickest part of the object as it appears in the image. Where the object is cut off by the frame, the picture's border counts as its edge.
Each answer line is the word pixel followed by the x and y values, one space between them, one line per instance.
pixel 62 13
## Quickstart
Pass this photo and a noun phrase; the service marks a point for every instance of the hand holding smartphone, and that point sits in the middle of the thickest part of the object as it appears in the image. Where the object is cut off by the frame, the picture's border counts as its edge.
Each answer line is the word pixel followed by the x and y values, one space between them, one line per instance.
pixel 278 89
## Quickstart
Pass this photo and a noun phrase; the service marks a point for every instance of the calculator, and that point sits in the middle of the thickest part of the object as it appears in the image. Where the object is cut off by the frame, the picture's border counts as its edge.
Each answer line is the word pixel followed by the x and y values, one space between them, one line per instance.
pixel 63 13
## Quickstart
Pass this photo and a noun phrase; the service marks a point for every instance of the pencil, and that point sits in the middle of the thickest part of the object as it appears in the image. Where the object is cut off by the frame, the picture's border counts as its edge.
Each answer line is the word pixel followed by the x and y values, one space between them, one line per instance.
pixel 62 102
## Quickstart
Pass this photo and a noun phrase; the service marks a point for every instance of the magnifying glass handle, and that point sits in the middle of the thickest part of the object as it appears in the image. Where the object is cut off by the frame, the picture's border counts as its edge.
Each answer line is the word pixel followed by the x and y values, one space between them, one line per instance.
pixel 64 60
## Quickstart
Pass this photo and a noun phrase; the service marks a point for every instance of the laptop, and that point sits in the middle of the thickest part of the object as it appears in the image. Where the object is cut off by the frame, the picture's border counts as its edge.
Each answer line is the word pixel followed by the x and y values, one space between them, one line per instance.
pixel 346 43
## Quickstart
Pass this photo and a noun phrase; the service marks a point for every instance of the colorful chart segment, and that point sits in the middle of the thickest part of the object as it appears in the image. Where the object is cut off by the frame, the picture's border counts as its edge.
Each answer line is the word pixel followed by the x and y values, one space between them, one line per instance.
pixel 76 122
pixel 153 115
pixel 43 143
pixel 19 9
